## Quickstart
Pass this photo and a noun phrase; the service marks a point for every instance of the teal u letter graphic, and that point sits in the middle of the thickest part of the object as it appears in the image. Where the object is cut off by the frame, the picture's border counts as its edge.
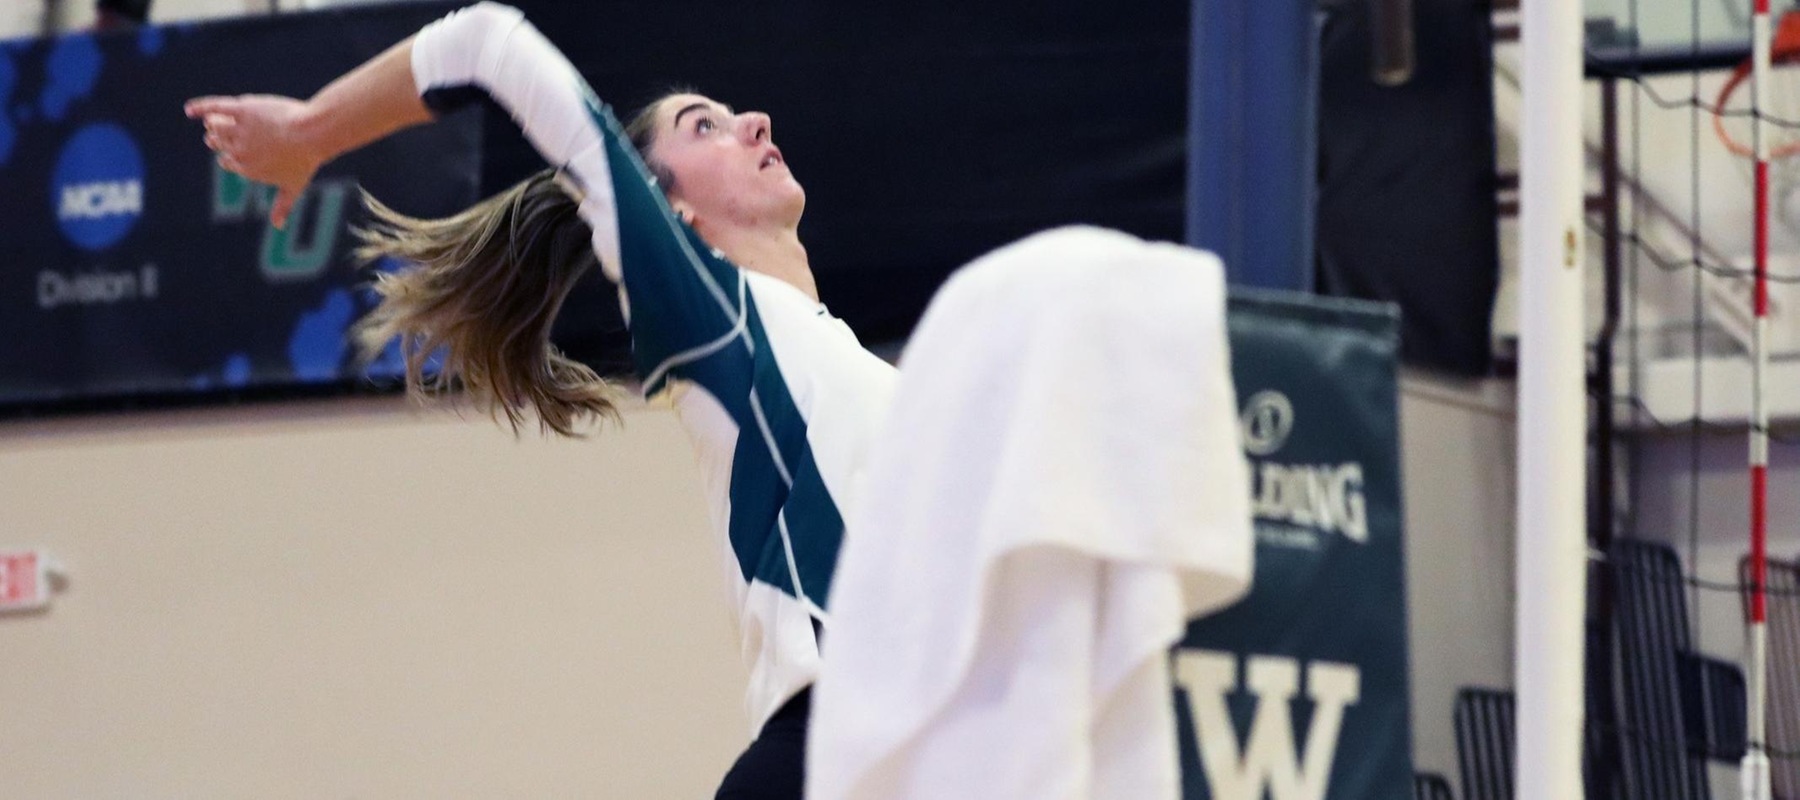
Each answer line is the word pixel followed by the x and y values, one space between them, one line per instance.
pixel 285 254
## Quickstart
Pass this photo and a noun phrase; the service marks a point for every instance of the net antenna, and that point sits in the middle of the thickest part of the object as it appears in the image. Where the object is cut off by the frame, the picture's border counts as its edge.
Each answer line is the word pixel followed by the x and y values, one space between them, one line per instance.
pixel 1766 142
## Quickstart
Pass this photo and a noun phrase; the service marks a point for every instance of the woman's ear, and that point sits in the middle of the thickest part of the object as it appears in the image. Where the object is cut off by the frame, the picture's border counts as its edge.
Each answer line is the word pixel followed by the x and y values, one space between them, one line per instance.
pixel 683 211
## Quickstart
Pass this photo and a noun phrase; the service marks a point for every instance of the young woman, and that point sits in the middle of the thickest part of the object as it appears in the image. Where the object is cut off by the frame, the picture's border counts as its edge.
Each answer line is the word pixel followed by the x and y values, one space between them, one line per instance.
pixel 692 211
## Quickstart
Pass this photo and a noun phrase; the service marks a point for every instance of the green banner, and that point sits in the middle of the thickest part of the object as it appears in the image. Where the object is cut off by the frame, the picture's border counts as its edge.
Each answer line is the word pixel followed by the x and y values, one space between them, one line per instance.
pixel 1299 691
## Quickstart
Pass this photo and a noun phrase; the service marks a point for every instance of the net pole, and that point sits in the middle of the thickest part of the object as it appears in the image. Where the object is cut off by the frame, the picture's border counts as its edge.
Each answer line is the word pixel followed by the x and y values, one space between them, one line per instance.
pixel 1552 423
pixel 1754 773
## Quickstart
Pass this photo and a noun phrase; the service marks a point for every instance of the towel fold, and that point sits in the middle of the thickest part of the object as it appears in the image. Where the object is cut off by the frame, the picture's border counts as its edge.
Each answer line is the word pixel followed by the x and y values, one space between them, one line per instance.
pixel 1059 486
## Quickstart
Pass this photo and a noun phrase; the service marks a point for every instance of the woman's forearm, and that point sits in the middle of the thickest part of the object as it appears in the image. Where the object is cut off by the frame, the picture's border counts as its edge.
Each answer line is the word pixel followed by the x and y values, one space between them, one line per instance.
pixel 366 104
pixel 282 141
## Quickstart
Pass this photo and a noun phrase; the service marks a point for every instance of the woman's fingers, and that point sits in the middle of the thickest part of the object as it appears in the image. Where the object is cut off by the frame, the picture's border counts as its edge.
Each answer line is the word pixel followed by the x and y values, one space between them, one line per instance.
pixel 211 104
pixel 225 131
pixel 245 135
pixel 222 127
pixel 284 203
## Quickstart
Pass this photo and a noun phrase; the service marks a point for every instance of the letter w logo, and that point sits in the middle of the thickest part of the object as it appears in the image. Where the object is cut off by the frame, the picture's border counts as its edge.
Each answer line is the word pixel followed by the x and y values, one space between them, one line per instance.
pixel 1268 760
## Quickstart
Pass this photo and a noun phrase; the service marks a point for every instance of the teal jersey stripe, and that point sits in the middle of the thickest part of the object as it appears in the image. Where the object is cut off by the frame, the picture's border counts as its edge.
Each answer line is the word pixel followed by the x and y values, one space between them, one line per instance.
pixel 775 485
pixel 683 296
pixel 693 319
pixel 814 526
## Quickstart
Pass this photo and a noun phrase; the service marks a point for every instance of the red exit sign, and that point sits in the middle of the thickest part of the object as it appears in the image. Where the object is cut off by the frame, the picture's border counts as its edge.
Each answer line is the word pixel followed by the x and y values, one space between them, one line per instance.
pixel 25 577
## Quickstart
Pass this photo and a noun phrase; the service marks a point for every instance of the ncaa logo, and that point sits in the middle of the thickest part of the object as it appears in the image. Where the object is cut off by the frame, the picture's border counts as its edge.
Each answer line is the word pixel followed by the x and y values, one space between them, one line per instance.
pixel 1267 420
pixel 97 190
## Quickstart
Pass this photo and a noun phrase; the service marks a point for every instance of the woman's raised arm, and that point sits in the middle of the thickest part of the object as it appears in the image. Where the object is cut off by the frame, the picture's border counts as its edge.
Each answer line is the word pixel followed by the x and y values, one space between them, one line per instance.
pixel 484 50
pixel 282 141
pixel 686 300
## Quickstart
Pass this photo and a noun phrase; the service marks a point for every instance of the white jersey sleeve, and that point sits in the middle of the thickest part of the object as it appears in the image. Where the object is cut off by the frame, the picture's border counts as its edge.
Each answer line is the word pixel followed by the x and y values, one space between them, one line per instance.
pixel 684 301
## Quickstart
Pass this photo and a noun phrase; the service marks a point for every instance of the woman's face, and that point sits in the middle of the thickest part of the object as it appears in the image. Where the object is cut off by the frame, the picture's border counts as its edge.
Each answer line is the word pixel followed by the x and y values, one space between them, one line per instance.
pixel 727 170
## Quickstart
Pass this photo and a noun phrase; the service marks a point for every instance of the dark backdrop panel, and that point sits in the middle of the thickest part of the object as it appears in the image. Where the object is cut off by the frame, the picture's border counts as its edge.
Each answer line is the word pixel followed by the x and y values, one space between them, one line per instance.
pixel 925 133
pixel 1406 187
pixel 130 268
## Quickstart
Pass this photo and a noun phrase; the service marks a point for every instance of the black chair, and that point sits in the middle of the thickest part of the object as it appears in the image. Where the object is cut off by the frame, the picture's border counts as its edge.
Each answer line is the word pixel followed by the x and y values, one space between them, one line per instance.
pixel 1600 742
pixel 1676 708
pixel 1429 786
pixel 1486 731
pixel 1485 726
pixel 1784 672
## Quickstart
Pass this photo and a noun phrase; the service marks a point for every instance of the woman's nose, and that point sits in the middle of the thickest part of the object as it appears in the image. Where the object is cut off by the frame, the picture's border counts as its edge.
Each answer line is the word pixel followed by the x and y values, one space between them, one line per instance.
pixel 754 127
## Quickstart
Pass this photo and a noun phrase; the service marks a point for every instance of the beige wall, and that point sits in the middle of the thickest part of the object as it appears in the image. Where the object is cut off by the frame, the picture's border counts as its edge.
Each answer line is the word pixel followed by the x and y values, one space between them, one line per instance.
pixel 1457 457
pixel 352 599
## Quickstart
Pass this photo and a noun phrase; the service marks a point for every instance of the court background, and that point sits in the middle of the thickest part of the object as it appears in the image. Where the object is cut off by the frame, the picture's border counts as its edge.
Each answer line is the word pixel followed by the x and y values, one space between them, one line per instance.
pixel 265 599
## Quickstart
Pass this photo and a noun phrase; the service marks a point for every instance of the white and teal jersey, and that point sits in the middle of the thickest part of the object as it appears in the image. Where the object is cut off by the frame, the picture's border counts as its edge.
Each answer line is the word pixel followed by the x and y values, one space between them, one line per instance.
pixel 780 399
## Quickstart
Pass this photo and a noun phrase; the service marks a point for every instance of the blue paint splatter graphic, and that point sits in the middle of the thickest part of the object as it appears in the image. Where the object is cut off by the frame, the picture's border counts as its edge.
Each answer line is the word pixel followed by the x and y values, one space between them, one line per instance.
pixel 317 346
pixel 390 364
pixel 8 76
pixel 382 265
pixel 72 73
pixel 150 40
pixel 237 370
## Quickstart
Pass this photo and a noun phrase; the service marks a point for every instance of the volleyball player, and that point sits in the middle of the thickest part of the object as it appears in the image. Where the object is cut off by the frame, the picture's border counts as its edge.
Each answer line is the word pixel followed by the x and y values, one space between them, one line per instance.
pixel 692 211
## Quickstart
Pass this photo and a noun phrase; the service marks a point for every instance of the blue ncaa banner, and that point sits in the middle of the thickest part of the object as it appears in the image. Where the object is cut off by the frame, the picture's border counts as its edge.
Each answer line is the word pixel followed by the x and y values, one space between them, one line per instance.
pixel 1299 691
pixel 132 266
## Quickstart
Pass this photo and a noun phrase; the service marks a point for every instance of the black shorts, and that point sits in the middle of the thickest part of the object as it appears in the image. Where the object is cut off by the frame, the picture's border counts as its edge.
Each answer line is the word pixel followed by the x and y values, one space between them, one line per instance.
pixel 774 766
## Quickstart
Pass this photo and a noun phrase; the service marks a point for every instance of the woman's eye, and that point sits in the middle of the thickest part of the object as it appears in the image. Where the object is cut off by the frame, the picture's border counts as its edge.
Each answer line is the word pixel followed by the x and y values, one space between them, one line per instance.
pixel 705 125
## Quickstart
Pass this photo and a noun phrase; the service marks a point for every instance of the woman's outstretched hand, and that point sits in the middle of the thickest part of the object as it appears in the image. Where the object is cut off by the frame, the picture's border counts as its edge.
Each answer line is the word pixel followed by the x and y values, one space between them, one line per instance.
pixel 260 137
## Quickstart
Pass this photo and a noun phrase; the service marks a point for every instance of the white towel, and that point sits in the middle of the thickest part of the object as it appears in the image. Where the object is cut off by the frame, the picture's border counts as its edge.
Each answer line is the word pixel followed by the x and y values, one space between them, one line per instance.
pixel 1058 488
